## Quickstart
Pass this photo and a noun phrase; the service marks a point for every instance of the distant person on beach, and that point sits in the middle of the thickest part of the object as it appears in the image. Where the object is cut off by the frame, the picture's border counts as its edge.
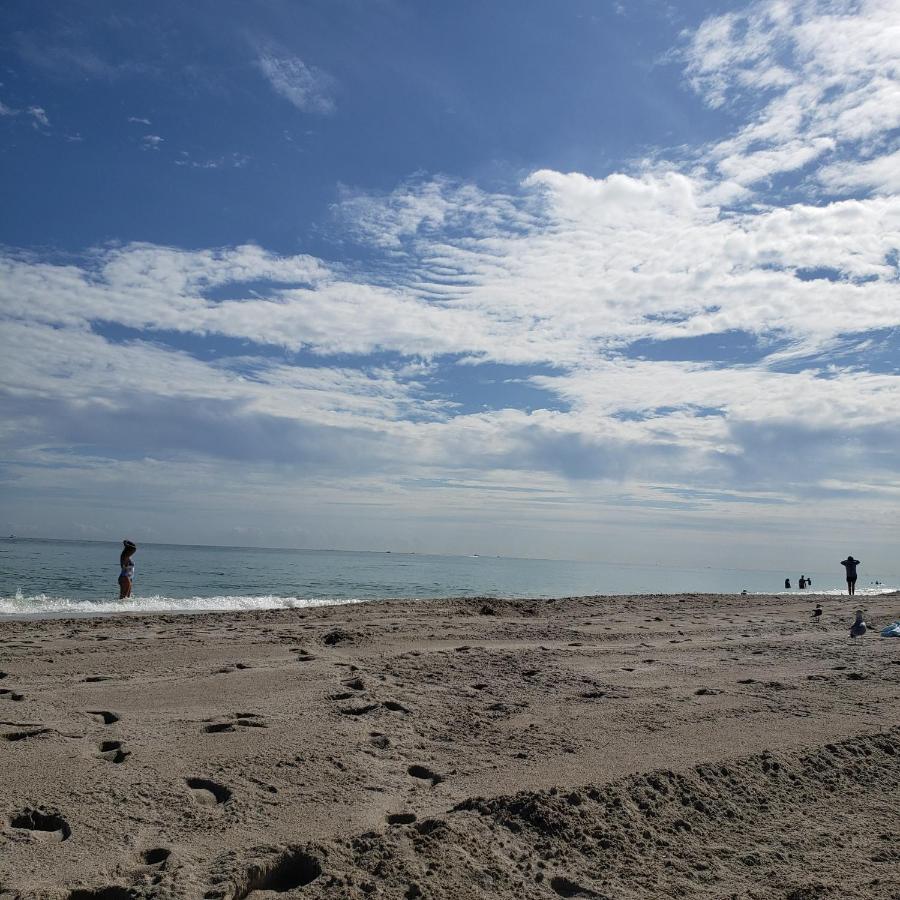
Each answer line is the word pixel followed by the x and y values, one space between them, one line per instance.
pixel 802 584
pixel 808 581
pixel 850 565
pixel 126 575
pixel 787 584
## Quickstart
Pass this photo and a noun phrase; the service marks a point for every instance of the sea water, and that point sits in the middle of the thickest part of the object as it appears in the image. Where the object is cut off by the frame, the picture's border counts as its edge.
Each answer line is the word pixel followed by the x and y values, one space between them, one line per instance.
pixel 47 578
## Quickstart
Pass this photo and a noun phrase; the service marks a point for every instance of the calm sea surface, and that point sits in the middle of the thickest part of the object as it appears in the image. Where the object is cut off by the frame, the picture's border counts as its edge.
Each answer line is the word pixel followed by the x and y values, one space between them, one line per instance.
pixel 46 578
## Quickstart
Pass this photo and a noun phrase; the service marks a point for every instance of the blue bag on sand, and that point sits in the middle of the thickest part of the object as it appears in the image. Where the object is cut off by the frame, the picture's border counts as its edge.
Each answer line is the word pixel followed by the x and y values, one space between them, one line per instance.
pixel 893 630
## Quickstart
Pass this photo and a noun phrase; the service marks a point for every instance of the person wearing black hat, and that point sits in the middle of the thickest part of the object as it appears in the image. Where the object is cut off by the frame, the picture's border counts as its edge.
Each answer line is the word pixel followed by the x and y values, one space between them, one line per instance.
pixel 126 576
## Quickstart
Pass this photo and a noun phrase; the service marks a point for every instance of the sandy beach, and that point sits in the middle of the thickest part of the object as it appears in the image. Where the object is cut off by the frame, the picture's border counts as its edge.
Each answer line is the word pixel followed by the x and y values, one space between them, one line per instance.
pixel 620 747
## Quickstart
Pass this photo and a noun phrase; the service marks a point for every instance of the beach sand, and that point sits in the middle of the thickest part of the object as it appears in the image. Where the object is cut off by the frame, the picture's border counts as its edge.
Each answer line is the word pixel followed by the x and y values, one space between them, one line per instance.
pixel 622 747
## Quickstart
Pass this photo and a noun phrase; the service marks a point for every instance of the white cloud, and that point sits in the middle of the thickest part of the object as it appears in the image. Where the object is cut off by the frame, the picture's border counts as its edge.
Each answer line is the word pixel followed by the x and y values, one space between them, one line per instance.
pixel 151 141
pixel 607 262
pixel 306 87
pixel 138 120
pixel 424 207
pixel 7 110
pixel 39 115
pixel 881 175
pixel 820 76
pixel 229 161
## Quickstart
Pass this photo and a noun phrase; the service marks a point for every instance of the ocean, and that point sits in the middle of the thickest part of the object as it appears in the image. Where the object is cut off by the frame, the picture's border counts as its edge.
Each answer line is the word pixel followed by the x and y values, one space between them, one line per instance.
pixel 52 578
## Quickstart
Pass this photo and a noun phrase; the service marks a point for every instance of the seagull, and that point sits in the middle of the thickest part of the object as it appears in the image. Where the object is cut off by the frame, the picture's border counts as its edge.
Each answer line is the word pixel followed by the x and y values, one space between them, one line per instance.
pixel 858 628
pixel 817 613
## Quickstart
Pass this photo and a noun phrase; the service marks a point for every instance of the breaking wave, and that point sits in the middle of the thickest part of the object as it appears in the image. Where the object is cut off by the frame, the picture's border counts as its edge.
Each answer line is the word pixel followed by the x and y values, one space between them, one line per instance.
pixel 42 605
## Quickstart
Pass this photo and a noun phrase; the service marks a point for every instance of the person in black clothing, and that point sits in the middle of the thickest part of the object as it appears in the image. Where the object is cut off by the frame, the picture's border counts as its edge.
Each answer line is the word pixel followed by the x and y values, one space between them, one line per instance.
pixel 802 583
pixel 787 584
pixel 850 565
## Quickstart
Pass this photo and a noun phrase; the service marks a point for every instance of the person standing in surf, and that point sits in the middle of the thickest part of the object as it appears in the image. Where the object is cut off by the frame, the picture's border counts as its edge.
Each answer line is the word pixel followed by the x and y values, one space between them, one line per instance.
pixel 850 565
pixel 126 575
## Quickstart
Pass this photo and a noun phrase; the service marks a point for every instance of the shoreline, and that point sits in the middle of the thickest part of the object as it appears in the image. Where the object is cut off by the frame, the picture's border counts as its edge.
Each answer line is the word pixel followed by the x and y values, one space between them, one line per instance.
pixel 463 746
pixel 295 604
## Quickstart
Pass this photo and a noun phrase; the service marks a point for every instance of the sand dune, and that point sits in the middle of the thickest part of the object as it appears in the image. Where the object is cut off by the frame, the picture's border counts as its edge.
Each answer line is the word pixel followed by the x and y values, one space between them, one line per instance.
pixel 692 746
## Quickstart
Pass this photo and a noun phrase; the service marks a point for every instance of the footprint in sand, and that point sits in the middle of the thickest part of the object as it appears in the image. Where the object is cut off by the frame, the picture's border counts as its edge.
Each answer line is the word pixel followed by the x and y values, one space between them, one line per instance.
pixel 22 735
pixel 425 774
pixel 565 887
pixel 225 670
pixel 207 793
pixel 292 869
pixel 155 856
pixel 250 720
pixel 400 818
pixel 112 751
pixel 358 710
pixel 92 679
pixel 235 721
pixel 113 892
pixel 11 695
pixel 337 636
pixel 43 825
pixel 104 716
pixel 219 727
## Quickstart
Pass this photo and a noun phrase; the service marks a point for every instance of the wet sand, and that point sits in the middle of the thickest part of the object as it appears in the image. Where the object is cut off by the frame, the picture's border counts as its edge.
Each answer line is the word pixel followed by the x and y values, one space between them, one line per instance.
pixel 623 747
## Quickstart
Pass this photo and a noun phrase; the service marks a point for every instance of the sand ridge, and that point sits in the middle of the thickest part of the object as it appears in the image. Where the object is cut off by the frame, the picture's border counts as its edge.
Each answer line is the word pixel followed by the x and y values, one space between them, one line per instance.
pixel 463 748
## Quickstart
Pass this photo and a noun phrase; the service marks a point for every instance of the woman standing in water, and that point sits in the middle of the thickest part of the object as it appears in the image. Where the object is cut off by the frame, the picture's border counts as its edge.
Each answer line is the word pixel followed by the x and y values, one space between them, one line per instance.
pixel 126 576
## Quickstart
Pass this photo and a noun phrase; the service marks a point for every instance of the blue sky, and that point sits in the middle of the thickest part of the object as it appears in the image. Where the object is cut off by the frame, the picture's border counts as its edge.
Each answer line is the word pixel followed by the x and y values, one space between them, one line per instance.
pixel 590 279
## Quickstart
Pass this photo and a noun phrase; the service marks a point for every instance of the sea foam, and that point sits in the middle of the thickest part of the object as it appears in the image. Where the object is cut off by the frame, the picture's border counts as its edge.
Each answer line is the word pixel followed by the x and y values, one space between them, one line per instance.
pixel 44 605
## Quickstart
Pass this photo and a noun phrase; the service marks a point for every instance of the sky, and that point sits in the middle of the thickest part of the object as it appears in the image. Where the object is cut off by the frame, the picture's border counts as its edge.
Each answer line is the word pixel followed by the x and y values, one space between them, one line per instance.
pixel 586 279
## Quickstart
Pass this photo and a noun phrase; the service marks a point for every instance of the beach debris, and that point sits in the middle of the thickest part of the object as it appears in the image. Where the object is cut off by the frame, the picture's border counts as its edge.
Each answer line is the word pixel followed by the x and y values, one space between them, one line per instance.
pixel 893 630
